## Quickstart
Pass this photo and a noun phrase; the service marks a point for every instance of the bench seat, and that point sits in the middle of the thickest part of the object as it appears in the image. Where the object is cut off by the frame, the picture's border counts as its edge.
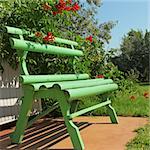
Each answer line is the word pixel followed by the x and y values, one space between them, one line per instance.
pixel 71 84
pixel 79 88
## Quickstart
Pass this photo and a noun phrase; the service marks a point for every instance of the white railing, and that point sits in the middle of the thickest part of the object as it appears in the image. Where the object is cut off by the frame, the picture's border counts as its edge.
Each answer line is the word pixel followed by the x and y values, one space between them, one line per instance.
pixel 10 94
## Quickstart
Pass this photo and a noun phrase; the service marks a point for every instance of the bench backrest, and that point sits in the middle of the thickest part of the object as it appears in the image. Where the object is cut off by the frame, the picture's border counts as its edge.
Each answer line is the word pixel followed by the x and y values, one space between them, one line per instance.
pixel 24 46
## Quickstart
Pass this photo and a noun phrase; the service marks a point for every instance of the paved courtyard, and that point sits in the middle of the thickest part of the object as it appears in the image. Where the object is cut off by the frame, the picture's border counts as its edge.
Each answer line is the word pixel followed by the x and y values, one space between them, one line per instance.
pixel 97 133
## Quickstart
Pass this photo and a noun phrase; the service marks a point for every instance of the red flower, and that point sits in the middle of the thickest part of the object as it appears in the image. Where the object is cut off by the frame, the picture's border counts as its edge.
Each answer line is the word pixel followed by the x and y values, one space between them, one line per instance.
pixel 61 5
pixel 90 38
pixel 38 34
pixel 55 13
pixel 75 7
pixel 132 97
pixel 146 94
pixel 49 37
pixel 47 7
pixel 67 8
pixel 99 76
pixel 62 2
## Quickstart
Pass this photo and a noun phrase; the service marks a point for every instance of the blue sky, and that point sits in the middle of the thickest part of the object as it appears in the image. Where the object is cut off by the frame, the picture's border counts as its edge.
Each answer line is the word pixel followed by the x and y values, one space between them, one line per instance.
pixel 130 14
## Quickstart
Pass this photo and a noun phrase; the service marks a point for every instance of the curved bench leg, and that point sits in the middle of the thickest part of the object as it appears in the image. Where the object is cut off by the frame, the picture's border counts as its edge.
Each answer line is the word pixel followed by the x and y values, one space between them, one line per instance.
pixel 71 127
pixel 26 106
pixel 74 106
pixel 112 113
pixel 74 135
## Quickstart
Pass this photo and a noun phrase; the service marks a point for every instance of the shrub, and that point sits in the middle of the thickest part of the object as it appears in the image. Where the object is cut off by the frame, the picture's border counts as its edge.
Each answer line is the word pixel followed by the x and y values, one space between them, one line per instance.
pixel 39 16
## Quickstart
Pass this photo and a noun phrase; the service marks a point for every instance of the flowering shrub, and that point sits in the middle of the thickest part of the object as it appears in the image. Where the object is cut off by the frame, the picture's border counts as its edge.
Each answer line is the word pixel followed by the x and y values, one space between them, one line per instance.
pixel 61 18
pixel 62 5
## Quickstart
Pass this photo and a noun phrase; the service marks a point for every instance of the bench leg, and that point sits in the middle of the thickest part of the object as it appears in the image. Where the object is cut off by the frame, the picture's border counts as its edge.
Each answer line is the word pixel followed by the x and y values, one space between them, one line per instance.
pixel 74 106
pixel 71 127
pixel 112 113
pixel 74 135
pixel 26 106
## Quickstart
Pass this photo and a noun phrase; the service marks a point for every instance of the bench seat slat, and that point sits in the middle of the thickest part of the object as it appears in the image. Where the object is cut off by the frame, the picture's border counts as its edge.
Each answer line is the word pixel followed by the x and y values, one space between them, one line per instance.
pixel 43 48
pixel 72 84
pixel 27 79
pixel 94 90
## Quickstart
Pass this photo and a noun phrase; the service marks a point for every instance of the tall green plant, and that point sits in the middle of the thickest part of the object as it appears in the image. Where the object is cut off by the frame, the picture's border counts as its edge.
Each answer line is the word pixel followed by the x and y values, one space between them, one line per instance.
pixel 134 57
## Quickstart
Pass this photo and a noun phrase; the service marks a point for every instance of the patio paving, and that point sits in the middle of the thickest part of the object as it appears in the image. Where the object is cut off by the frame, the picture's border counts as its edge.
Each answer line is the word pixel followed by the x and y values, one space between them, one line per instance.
pixel 97 133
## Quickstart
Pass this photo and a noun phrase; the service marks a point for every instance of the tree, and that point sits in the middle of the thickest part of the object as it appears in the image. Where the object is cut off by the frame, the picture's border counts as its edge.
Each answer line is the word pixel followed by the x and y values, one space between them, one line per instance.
pixel 135 48
pixel 96 2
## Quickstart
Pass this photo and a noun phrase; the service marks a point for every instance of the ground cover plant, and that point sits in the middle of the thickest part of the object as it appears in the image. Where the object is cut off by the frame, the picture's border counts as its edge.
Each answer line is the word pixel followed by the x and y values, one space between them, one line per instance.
pixel 142 140
pixel 133 102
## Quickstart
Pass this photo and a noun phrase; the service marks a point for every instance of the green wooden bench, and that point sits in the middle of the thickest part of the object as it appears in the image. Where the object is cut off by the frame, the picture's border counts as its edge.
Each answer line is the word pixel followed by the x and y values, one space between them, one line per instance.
pixel 65 88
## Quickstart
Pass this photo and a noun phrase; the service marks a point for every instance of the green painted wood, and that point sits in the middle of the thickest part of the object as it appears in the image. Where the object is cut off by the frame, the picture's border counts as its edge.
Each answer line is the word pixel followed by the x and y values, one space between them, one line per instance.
pixel 81 112
pixel 74 106
pixel 22 62
pixel 43 48
pixel 64 88
pixel 72 84
pixel 65 107
pixel 81 84
pixel 71 127
pixel 22 56
pixel 48 78
pixel 48 93
pixel 13 30
pixel 112 113
pixel 64 41
pixel 24 114
pixel 87 91
pixel 42 114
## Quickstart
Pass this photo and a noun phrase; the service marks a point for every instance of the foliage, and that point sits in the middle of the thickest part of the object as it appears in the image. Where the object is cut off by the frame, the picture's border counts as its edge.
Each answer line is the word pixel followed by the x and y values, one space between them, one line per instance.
pixel 111 71
pixel 96 2
pixel 134 57
pixel 71 25
pixel 142 140
pixel 122 102
pixel 132 102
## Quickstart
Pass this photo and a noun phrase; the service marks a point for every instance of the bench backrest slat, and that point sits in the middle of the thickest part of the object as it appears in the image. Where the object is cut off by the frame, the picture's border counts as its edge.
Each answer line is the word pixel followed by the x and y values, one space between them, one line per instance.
pixel 43 48
pixel 13 30
pixel 25 79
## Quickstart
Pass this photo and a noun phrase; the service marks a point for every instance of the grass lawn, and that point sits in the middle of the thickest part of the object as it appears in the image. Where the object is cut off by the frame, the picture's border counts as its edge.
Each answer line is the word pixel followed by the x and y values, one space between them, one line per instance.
pixel 126 103
pixel 132 103
pixel 142 140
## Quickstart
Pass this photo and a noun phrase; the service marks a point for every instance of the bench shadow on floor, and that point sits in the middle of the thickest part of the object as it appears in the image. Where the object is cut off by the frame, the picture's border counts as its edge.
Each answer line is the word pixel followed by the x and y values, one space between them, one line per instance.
pixel 42 135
